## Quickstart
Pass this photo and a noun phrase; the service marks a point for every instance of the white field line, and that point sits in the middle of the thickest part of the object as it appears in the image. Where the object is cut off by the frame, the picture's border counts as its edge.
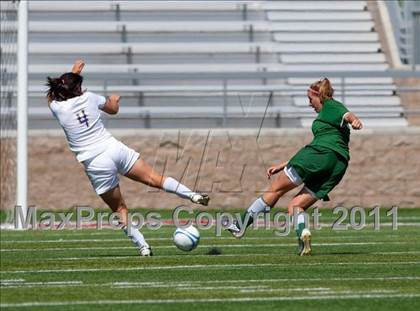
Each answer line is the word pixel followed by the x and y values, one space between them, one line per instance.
pixel 39 284
pixel 204 255
pixel 216 266
pixel 92 226
pixel 189 287
pixel 203 300
pixel 161 239
pixel 197 284
pixel 64 249
pixel 12 281
pixel 66 241
pixel 85 232
pixel 321 292
pixel 266 289
pixel 135 257
pixel 251 289
pixel 168 231
pixel 120 286
pixel 215 238
pixel 209 245
pixel 408 217
pixel 236 281
pixel 62 238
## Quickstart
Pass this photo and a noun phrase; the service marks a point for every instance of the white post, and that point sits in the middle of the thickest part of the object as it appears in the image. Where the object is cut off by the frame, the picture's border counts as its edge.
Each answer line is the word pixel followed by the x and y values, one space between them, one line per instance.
pixel 22 110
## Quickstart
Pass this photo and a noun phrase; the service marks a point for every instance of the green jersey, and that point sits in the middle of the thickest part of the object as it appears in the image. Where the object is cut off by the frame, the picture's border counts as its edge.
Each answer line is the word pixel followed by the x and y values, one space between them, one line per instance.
pixel 330 130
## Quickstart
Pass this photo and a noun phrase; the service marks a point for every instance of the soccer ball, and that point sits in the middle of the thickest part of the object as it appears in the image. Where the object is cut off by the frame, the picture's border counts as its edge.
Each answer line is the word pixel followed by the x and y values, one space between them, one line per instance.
pixel 186 239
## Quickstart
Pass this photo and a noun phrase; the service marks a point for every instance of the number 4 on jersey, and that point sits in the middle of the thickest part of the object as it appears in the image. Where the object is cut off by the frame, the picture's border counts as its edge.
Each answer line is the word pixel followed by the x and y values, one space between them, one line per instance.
pixel 83 119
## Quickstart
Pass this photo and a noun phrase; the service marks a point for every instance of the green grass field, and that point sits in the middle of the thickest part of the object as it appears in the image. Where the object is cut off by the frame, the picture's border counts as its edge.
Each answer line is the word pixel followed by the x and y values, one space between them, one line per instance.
pixel 100 270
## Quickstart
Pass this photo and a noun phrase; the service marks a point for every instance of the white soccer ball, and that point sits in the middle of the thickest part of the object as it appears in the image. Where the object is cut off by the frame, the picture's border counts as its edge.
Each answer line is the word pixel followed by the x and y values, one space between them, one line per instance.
pixel 186 239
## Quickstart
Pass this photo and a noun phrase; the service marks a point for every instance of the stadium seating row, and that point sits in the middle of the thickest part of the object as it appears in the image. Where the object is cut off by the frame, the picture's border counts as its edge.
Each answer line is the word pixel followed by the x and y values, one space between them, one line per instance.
pixel 349 23
pixel 119 38
pixel 99 6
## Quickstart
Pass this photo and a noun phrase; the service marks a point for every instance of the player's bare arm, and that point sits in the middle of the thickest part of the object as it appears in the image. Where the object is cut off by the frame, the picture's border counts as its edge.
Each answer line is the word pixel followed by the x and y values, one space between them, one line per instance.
pixel 275 169
pixel 112 104
pixel 353 120
pixel 78 66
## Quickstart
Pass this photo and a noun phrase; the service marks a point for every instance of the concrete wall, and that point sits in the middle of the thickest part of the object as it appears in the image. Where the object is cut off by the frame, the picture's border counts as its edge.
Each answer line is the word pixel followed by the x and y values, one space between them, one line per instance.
pixel 230 165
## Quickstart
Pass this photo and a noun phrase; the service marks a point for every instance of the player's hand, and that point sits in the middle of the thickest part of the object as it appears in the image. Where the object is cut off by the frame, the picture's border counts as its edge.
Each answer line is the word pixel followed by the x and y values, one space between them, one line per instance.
pixel 356 124
pixel 273 170
pixel 115 98
pixel 78 66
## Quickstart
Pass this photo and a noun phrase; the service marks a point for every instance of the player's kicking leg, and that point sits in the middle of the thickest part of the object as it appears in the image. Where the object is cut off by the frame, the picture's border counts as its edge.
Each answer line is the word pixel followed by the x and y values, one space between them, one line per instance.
pixel 116 202
pixel 263 204
pixel 300 203
pixel 145 174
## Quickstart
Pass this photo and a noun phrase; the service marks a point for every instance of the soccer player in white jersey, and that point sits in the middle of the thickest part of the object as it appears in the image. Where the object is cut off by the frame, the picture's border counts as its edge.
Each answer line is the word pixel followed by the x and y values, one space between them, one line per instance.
pixel 103 156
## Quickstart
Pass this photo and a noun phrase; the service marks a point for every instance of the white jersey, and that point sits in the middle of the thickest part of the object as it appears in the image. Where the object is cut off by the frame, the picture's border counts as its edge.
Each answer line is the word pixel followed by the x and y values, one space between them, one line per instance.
pixel 80 119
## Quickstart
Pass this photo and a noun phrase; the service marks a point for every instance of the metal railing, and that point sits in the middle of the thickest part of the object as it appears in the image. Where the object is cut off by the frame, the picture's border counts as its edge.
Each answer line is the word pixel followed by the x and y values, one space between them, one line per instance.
pixel 225 86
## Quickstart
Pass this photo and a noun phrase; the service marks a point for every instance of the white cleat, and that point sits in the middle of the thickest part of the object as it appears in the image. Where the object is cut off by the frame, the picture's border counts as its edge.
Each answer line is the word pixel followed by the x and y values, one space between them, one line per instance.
pixel 200 198
pixel 235 231
pixel 145 251
pixel 305 237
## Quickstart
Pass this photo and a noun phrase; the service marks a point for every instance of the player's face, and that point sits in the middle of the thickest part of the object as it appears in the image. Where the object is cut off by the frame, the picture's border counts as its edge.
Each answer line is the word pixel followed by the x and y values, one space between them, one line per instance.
pixel 314 101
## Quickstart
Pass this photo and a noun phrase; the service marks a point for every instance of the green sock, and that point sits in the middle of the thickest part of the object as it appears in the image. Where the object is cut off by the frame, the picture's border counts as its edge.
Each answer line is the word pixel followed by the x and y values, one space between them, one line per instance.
pixel 250 219
pixel 300 220
pixel 299 229
pixel 258 206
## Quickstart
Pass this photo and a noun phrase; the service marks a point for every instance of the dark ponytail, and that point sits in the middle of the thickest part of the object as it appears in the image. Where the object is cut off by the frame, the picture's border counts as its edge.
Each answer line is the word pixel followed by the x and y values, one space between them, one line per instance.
pixel 67 86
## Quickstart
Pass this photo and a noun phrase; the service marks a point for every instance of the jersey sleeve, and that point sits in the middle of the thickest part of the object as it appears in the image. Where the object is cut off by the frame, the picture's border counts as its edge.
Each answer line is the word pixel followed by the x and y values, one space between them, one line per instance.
pixel 98 100
pixel 333 113
pixel 53 108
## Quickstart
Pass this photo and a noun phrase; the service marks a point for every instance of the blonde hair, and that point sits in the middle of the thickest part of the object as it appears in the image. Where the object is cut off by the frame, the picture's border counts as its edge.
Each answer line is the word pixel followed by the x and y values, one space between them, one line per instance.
pixel 323 89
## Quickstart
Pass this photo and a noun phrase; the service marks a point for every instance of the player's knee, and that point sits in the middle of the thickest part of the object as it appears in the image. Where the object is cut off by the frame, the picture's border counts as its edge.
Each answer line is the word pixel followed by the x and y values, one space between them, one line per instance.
pixel 273 189
pixel 292 207
pixel 278 193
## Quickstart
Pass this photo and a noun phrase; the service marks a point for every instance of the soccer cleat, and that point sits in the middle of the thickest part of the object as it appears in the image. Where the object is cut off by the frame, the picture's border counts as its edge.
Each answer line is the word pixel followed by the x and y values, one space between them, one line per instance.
pixel 305 243
pixel 301 246
pixel 200 198
pixel 235 231
pixel 145 251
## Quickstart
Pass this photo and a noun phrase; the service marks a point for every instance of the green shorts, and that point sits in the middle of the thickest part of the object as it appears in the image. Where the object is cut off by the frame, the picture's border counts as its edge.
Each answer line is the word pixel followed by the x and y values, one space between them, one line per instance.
pixel 320 169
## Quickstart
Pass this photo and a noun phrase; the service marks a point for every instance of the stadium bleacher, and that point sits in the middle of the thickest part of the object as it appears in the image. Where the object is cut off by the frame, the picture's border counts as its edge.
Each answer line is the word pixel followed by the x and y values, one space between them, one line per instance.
pixel 346 33
pixel 121 37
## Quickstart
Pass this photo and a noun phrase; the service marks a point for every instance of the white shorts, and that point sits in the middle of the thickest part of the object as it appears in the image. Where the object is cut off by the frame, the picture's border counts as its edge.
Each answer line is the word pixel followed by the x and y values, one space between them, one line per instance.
pixel 295 178
pixel 104 168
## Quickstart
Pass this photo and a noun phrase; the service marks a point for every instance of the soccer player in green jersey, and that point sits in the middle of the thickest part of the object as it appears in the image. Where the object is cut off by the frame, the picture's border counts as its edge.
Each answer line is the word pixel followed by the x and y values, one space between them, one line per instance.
pixel 319 166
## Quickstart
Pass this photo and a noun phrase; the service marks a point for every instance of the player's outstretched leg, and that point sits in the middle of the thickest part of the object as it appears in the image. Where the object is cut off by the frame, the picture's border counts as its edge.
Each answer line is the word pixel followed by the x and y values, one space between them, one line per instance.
pixel 116 202
pixel 258 206
pixel 263 204
pixel 145 174
pixel 173 186
pixel 297 206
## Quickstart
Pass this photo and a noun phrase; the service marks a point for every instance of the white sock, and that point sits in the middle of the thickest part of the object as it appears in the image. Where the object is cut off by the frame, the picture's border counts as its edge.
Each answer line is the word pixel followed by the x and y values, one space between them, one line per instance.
pixel 301 218
pixel 136 237
pixel 258 206
pixel 172 185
